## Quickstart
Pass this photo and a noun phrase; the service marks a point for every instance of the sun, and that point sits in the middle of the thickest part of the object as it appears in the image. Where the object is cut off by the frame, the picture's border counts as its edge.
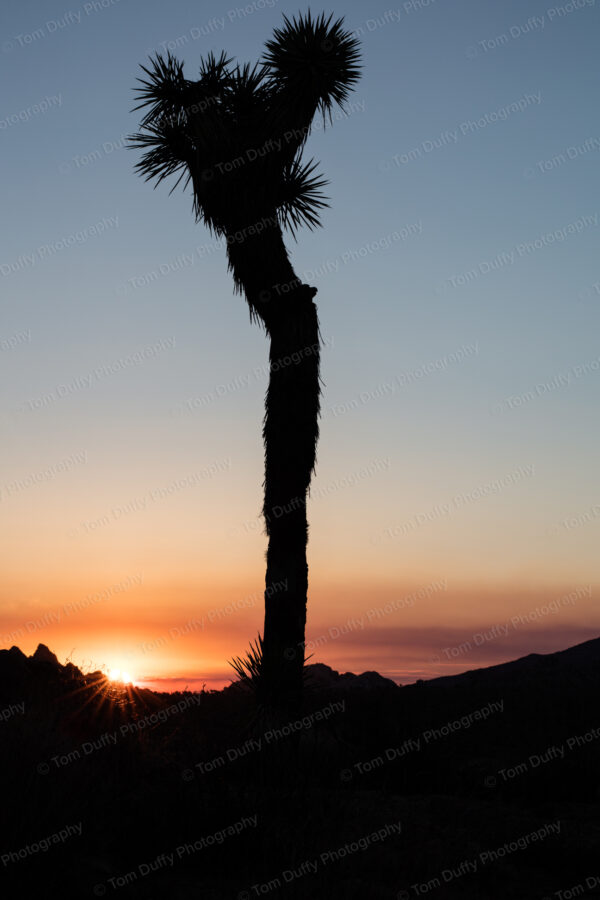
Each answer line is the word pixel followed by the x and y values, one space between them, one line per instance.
pixel 120 675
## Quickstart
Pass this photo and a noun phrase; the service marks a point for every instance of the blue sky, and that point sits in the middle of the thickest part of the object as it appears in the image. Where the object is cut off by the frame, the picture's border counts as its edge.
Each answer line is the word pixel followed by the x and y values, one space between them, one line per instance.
pixel 464 214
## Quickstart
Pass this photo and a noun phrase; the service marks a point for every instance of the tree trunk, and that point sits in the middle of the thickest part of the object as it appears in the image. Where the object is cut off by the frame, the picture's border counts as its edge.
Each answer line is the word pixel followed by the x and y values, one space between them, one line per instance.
pixel 290 434
pixel 261 267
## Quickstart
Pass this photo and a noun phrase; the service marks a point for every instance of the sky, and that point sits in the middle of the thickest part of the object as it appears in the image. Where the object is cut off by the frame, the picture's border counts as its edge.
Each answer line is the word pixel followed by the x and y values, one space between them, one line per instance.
pixel 455 512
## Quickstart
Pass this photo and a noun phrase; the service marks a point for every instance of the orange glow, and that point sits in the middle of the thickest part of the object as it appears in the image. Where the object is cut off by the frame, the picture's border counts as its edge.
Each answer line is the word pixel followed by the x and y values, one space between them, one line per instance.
pixel 121 676
pixel 171 637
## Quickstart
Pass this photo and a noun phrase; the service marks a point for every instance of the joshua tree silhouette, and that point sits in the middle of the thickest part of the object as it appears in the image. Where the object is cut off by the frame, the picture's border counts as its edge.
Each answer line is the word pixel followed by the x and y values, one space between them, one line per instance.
pixel 237 134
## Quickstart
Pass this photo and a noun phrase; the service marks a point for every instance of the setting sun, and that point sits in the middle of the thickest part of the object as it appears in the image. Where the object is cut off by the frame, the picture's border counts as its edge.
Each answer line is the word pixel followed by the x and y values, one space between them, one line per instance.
pixel 118 675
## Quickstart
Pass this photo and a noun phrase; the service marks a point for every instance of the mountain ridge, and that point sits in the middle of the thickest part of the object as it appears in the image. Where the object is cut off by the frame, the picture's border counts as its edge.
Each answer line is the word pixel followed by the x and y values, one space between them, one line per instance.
pixel 320 676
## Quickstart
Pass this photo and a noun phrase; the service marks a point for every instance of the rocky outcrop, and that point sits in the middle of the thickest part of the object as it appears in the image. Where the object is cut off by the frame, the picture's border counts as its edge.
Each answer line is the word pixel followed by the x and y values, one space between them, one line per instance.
pixel 321 677
pixel 44 655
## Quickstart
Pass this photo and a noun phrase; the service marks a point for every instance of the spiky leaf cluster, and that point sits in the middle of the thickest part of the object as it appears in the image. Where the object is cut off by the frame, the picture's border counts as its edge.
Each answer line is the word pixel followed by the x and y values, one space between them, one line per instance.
pixel 315 58
pixel 237 133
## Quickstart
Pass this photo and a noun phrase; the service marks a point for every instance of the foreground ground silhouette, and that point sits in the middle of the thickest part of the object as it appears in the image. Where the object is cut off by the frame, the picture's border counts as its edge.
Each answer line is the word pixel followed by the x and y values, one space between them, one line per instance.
pixel 483 785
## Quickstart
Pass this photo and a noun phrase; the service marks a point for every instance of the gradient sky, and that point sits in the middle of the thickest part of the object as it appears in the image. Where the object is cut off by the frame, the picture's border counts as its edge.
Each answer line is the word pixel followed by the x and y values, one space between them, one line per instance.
pixel 455 514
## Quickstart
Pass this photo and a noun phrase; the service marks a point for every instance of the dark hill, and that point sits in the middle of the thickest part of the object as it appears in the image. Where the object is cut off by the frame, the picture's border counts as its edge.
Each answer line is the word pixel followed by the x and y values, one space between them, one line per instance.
pixel 583 657
pixel 480 785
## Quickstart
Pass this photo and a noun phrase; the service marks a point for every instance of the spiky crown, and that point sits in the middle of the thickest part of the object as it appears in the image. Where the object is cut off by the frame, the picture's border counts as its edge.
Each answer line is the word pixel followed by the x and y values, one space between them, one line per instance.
pixel 237 133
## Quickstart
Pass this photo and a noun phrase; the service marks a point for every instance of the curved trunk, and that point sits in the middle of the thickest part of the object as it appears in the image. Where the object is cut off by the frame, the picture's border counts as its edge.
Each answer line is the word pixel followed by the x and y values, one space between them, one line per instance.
pixel 290 432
